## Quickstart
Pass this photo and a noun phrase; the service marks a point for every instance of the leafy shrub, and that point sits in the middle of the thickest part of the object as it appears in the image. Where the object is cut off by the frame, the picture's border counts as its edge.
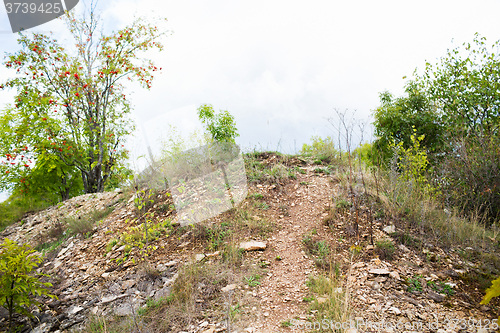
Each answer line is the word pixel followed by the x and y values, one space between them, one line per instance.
pixel 221 125
pixel 17 284
pixel 414 283
pixel 412 163
pixel 493 291
pixel 323 150
pixel 469 177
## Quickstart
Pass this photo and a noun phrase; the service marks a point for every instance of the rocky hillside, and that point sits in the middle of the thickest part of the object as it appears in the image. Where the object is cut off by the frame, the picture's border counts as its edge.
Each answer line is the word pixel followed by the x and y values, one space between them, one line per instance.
pixel 287 257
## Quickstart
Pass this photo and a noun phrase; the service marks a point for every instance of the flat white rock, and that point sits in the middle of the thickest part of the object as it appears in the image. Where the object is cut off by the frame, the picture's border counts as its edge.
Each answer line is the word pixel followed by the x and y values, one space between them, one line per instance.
pixel 253 246
pixel 379 271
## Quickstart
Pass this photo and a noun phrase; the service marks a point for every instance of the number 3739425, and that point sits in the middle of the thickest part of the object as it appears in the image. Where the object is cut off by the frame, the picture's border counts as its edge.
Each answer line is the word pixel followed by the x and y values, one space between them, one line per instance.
pixel 26 7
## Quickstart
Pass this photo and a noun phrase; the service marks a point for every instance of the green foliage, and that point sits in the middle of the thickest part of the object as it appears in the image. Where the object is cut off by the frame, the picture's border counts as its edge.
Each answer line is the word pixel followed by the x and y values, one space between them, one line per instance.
pixel 28 171
pixel 412 163
pixel 322 170
pixel 151 304
pixel 319 249
pixel 368 154
pixel 253 280
pixel 256 196
pixel 18 284
pixel 322 149
pixel 493 291
pixel 465 88
pixel 111 244
pixel 414 283
pixel 396 120
pixel 262 205
pixel 258 172
pixel 441 288
pixel 71 105
pixel 334 306
pixel 138 237
pixel 455 104
pixel 221 125
pixel 217 236
pixel 48 247
pixel 470 179
pixel 14 208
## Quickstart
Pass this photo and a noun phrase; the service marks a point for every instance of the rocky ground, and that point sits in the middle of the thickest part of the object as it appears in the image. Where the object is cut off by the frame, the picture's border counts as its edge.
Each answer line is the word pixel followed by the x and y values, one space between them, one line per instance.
pixel 421 287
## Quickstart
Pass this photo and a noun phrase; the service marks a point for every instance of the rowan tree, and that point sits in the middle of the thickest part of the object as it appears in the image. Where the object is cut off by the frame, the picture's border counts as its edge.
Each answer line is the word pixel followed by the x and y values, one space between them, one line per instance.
pixel 75 96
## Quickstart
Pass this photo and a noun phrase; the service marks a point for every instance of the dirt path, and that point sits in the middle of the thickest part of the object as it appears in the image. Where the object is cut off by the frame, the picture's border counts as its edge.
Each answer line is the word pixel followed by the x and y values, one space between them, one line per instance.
pixel 281 293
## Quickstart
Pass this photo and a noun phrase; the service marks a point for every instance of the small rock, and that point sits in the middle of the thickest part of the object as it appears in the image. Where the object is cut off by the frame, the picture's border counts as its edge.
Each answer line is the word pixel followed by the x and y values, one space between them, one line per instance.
pixel 74 310
pixel 105 275
pixel 163 292
pixel 403 248
pixel 249 330
pixel 484 308
pixel 108 299
pixel 128 284
pixel 253 246
pixel 215 254
pixel 229 287
pixel 358 265
pixel 351 330
pixel 266 314
pixel 395 310
pixel 390 229
pixel 379 271
pixel 451 273
pixel 394 275
pixel 435 297
pixel 57 263
pixel 123 310
pixel 199 257
pixel 120 249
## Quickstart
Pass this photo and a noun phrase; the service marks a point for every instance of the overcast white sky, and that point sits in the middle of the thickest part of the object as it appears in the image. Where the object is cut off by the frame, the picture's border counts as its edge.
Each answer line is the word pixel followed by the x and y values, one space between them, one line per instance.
pixel 281 67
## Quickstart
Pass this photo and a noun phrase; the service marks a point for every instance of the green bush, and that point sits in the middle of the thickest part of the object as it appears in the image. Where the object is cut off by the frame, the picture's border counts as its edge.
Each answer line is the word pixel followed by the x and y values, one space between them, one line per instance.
pixel 14 208
pixel 323 150
pixel 469 177
pixel 221 125
pixel 17 284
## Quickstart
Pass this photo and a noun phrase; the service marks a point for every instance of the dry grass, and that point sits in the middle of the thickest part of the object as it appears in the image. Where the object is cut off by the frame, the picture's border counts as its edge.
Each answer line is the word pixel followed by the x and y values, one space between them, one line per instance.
pixel 329 295
pixel 84 225
pixel 196 293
